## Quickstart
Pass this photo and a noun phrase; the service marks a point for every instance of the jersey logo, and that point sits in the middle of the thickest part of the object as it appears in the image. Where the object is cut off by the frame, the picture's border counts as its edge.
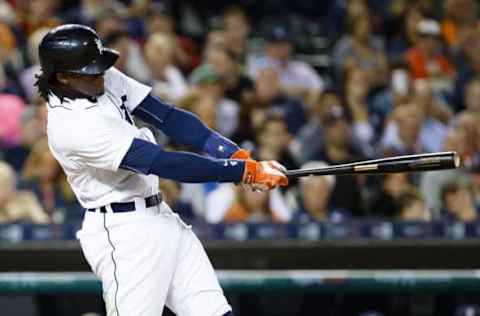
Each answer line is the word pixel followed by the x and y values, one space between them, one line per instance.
pixel 125 111
pixel 99 45
pixel 232 163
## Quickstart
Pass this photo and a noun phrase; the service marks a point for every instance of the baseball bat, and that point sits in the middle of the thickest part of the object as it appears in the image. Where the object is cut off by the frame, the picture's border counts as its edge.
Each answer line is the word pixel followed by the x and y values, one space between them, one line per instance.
pixel 409 163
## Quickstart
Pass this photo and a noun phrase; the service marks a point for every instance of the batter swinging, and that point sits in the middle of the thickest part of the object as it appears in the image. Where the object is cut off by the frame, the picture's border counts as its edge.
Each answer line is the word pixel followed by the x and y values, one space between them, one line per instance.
pixel 145 256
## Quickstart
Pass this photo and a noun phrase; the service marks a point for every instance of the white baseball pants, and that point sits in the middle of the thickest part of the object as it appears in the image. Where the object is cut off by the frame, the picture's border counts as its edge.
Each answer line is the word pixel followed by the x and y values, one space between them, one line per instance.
pixel 148 259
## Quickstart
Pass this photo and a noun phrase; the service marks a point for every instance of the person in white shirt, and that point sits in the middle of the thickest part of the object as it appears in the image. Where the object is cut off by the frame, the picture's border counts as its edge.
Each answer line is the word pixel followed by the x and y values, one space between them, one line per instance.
pixel 166 79
pixel 297 77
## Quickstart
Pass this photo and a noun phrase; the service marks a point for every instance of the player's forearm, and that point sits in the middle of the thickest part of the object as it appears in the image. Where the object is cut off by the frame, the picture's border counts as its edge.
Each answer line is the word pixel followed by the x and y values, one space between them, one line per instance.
pixel 148 158
pixel 184 128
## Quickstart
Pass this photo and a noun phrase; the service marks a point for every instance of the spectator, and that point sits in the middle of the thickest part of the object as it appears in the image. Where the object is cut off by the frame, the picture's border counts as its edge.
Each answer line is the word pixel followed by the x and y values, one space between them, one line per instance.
pixel 431 183
pixel 411 207
pixel 433 106
pixel 296 78
pixel 411 130
pixel 27 77
pixel 37 14
pixel 356 90
pixel 315 194
pixel 398 91
pixel 472 97
pixel 111 26
pixel 8 42
pixel 466 123
pixel 171 194
pixel 208 101
pixel 9 69
pixel 460 17
pixel 458 204
pixel 405 16
pixel 43 175
pixel 425 58
pixel 385 200
pixel 309 139
pixel 468 63
pixel 238 87
pixel 11 108
pixel 340 147
pixel 167 80
pixel 109 20
pixel 360 49
pixel 231 204
pixel 185 52
pixel 273 139
pixel 424 112
pixel 16 205
pixel 87 11
pixel 33 122
pixel 215 38
pixel 269 97
pixel 474 177
pixel 236 28
pixel 119 41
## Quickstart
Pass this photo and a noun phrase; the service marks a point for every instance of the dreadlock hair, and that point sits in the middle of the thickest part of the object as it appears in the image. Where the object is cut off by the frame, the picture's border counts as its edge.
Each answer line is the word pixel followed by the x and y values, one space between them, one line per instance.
pixel 48 85
pixel 43 85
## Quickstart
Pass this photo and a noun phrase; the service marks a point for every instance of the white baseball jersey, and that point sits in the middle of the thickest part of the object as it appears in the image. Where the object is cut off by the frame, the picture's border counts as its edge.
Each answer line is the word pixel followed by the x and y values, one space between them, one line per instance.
pixel 90 139
pixel 146 258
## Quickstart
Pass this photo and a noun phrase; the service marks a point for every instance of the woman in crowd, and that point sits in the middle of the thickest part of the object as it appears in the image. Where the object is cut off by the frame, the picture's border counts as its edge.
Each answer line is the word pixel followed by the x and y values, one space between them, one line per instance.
pixel 18 206
pixel 42 174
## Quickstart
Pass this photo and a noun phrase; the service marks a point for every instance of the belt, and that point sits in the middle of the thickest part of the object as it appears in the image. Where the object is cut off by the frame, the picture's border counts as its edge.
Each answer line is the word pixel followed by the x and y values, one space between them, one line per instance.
pixel 150 201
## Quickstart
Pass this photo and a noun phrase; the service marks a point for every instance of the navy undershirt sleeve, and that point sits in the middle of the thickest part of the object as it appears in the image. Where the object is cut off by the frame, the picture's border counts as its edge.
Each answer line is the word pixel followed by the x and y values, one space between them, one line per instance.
pixel 148 158
pixel 184 128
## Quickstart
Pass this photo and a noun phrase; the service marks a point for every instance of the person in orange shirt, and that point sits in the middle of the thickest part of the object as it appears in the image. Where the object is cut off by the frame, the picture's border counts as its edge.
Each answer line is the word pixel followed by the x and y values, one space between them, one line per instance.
pixel 425 58
pixel 251 206
pixel 460 19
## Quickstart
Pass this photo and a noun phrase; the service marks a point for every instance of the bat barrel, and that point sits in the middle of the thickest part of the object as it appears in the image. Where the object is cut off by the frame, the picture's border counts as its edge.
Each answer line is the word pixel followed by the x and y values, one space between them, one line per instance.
pixel 413 164
pixel 410 163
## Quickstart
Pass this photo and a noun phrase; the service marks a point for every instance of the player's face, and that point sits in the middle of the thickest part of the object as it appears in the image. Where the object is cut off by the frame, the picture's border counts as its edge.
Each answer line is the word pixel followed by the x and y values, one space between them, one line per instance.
pixel 90 85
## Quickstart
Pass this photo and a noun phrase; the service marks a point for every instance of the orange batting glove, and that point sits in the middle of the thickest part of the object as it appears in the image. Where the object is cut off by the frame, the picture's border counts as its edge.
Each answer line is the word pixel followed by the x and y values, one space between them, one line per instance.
pixel 241 154
pixel 264 175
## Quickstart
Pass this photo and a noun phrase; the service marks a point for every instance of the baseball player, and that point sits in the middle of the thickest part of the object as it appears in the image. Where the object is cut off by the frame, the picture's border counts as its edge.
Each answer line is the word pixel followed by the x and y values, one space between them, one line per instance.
pixel 145 256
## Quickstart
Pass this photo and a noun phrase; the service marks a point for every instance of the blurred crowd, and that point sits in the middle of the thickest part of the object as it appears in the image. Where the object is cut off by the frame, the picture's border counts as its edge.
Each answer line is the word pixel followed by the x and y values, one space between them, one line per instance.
pixel 308 86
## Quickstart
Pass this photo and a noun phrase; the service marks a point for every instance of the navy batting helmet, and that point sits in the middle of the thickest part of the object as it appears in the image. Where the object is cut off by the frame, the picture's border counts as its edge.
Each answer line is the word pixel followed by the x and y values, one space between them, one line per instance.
pixel 74 48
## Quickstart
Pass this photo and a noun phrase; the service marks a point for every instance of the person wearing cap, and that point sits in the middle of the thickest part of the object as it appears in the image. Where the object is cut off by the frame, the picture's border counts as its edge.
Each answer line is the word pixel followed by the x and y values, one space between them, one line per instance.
pixel 269 97
pixel 340 146
pixel 425 58
pixel 297 78
pixel 208 96
pixel 309 139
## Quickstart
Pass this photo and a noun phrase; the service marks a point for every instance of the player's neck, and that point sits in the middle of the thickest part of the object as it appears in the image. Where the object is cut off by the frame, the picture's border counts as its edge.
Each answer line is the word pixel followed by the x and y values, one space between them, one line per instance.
pixel 67 93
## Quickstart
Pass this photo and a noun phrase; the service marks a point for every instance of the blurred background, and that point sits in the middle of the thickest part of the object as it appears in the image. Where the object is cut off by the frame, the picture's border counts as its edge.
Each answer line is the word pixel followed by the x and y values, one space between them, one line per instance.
pixel 308 83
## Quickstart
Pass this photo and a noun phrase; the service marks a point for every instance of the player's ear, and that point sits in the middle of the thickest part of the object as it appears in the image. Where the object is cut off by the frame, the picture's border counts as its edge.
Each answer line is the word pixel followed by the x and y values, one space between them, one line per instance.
pixel 63 78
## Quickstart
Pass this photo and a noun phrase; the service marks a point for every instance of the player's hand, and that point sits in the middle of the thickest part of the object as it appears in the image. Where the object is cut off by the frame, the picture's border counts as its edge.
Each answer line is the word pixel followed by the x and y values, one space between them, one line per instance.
pixel 264 175
pixel 241 154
